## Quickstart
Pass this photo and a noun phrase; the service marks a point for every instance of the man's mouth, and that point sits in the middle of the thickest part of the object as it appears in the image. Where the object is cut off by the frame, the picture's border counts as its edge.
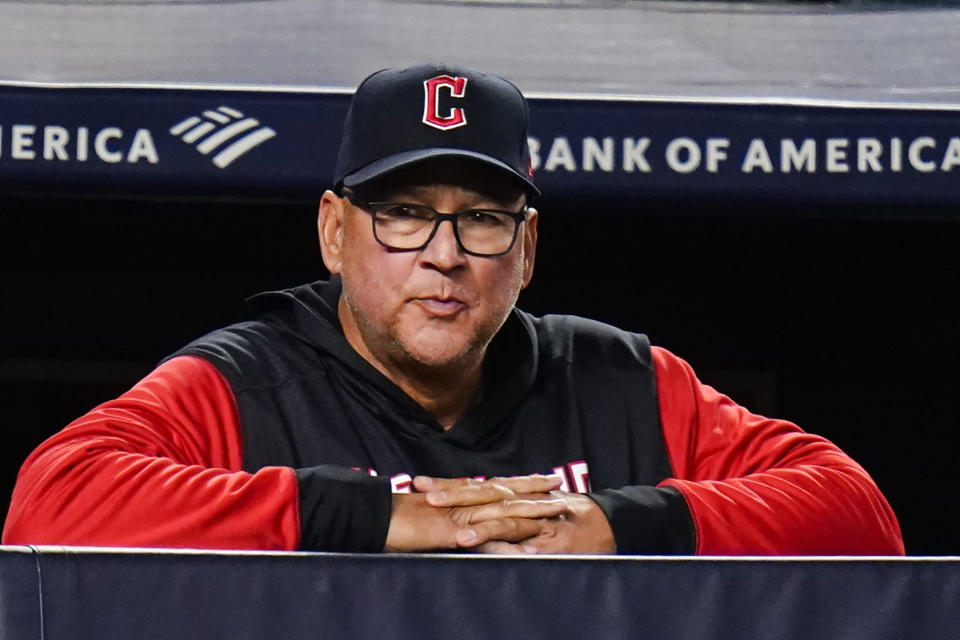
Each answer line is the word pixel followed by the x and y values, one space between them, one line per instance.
pixel 441 306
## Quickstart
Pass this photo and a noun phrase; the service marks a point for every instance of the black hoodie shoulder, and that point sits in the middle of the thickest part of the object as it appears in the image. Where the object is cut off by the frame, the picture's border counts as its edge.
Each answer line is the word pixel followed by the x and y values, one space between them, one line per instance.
pixel 291 333
pixel 589 345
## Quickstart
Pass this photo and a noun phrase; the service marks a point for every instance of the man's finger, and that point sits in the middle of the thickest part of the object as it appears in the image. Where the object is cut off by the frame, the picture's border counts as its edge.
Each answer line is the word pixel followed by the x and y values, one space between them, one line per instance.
pixel 424 484
pixel 499 547
pixel 470 494
pixel 465 492
pixel 535 483
pixel 504 529
pixel 514 508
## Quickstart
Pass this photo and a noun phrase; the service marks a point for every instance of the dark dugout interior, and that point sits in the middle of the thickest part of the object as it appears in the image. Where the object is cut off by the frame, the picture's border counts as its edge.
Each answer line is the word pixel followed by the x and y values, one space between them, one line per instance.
pixel 839 318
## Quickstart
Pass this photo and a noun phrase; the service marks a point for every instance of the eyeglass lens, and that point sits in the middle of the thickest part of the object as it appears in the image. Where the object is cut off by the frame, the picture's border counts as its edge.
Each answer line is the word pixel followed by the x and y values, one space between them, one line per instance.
pixel 410 226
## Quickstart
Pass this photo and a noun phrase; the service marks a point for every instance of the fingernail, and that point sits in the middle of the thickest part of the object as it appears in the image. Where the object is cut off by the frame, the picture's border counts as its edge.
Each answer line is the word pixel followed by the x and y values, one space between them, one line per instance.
pixel 437 497
pixel 528 548
pixel 466 536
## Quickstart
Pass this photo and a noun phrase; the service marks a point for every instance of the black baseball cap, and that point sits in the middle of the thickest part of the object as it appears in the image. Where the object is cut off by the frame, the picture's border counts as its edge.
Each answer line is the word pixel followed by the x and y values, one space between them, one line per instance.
pixel 399 117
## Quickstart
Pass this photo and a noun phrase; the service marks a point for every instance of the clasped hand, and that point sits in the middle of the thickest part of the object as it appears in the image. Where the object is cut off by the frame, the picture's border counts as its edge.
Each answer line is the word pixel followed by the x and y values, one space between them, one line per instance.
pixel 522 514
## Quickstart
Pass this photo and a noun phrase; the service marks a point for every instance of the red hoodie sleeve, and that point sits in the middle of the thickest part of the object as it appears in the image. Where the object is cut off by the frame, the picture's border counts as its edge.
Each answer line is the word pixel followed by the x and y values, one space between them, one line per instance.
pixel 760 486
pixel 160 466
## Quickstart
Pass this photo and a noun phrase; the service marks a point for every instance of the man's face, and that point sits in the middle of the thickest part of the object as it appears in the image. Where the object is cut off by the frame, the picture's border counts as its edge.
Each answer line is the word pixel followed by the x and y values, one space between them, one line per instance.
pixel 436 307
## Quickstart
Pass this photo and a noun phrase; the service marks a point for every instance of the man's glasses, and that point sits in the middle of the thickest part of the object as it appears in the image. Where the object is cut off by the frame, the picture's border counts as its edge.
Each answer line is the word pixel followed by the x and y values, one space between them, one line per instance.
pixel 405 226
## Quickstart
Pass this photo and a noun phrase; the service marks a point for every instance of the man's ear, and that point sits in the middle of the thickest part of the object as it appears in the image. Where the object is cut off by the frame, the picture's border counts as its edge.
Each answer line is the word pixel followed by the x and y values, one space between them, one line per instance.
pixel 529 245
pixel 330 230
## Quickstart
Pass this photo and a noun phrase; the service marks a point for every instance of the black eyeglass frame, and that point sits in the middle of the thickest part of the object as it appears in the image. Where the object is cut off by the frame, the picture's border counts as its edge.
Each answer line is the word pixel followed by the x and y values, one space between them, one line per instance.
pixel 517 216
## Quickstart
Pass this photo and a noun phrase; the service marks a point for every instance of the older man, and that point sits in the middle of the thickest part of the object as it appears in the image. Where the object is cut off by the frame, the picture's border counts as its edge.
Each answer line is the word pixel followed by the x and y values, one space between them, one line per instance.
pixel 407 404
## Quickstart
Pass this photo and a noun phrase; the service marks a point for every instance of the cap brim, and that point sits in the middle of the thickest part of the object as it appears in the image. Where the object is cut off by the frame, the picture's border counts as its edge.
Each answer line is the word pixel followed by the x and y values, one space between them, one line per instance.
pixel 396 161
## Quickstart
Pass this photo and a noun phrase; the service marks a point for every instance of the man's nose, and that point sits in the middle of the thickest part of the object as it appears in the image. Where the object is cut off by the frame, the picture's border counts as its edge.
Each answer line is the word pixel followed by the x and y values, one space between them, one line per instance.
pixel 443 251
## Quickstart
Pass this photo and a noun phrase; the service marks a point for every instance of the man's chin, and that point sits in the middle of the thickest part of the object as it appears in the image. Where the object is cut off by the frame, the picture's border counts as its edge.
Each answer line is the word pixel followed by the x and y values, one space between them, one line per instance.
pixel 440 352
pixel 438 360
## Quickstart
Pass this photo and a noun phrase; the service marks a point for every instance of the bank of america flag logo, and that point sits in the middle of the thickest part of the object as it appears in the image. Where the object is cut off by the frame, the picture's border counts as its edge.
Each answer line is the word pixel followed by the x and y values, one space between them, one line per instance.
pixel 223 131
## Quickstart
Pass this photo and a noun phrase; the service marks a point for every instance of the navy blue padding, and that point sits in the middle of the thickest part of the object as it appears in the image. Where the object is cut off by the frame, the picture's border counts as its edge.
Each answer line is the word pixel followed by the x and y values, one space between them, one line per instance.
pixel 119 594
pixel 19 594
pixel 283 144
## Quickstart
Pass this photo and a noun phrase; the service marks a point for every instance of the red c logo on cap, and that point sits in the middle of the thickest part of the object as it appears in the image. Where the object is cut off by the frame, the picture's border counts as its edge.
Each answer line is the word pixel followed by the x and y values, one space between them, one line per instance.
pixel 455 117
